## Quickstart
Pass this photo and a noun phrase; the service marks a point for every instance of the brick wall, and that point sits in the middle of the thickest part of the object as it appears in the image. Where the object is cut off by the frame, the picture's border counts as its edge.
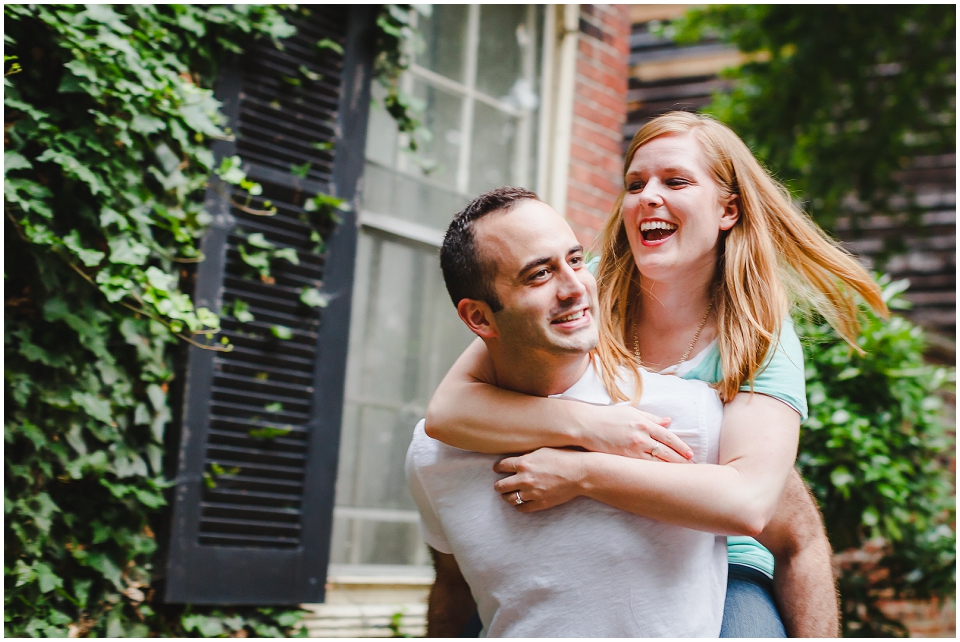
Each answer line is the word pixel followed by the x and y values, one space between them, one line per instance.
pixel 599 115
pixel 924 619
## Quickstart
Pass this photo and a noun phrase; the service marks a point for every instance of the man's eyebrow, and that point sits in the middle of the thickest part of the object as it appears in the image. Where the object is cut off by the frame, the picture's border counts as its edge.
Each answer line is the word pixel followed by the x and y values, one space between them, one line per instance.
pixel 534 263
pixel 546 259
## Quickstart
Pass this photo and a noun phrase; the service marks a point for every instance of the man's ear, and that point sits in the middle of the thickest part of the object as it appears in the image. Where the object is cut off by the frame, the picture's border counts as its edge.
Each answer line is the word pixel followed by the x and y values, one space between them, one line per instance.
pixel 478 316
pixel 731 213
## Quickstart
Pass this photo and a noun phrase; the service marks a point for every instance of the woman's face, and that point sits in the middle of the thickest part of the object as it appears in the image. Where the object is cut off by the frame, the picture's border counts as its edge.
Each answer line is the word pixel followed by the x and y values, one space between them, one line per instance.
pixel 673 211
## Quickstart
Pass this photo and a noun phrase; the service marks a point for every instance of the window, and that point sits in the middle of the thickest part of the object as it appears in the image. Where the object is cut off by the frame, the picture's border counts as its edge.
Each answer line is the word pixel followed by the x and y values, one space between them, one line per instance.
pixel 477 75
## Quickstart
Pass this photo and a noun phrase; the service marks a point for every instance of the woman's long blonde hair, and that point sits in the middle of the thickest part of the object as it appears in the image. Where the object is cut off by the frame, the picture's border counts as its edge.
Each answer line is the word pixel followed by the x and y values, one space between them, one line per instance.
pixel 772 257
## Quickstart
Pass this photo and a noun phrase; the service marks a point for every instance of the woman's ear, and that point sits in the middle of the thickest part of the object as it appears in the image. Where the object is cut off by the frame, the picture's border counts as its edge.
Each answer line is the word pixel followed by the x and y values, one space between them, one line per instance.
pixel 731 212
pixel 478 316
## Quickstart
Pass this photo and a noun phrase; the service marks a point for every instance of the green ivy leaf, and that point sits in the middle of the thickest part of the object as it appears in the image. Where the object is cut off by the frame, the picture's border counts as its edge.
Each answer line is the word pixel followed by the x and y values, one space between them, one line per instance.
pixel 241 311
pixel 326 43
pixel 128 251
pixel 314 298
pixel 268 432
pixel 89 258
pixel 13 161
pixel 287 253
pixel 281 332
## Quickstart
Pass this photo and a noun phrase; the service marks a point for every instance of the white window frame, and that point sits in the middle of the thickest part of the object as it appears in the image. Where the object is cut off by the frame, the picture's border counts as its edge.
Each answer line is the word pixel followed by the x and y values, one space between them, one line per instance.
pixel 395 228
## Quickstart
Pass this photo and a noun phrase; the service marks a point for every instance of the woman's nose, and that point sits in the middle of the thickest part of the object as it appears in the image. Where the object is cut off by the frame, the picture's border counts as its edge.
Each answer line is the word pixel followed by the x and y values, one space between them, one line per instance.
pixel 650 194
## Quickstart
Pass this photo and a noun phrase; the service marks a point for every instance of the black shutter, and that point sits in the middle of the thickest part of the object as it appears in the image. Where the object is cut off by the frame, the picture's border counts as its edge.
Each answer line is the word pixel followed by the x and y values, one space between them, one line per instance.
pixel 252 515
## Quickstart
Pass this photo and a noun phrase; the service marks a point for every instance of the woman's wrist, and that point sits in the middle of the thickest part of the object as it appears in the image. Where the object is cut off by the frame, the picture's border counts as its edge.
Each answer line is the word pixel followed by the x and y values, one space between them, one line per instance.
pixel 580 425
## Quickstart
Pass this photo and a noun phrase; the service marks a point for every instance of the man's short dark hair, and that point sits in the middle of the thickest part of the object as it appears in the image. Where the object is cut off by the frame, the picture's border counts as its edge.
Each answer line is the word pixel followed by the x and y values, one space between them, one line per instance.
pixel 466 272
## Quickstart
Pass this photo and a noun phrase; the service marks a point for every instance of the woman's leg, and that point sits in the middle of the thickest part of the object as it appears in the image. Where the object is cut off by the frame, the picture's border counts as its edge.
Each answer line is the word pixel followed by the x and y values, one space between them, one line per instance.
pixel 749 610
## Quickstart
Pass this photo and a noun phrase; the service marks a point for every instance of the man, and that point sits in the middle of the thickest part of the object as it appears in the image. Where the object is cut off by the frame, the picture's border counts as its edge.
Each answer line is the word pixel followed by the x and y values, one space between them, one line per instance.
pixel 581 568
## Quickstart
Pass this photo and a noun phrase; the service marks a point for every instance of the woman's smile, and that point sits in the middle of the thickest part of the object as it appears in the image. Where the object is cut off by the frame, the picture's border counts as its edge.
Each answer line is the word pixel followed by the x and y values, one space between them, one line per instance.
pixel 655 231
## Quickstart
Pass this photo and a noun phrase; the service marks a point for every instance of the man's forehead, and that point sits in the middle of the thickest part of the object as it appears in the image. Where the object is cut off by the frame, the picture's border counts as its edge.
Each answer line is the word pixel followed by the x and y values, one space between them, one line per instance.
pixel 529 228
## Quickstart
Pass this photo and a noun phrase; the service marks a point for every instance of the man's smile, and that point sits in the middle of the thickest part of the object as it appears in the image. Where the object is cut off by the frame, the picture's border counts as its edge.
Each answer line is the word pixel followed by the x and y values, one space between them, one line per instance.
pixel 571 318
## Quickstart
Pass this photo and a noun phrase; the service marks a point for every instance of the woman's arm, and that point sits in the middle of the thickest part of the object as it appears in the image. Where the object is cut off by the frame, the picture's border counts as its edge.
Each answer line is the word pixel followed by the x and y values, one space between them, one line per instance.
pixel 469 411
pixel 758 446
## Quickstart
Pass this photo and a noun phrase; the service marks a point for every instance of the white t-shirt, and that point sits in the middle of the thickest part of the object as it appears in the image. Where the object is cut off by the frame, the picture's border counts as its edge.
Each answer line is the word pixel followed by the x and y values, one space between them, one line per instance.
pixel 582 569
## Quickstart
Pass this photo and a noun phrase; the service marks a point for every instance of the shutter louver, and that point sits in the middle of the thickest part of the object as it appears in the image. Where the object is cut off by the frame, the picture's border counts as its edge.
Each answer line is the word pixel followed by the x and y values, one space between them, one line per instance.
pixel 260 429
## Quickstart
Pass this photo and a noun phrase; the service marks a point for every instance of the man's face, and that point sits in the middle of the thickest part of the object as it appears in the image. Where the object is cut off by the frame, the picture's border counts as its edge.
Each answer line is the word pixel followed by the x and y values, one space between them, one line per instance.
pixel 548 295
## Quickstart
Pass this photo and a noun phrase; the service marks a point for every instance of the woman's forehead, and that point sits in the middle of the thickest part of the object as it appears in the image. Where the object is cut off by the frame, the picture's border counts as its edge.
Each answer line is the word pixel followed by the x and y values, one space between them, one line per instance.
pixel 669 151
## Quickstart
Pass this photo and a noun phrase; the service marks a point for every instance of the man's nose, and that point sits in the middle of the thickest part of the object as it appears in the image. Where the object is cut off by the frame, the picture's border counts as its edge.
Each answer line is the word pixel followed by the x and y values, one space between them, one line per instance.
pixel 570 286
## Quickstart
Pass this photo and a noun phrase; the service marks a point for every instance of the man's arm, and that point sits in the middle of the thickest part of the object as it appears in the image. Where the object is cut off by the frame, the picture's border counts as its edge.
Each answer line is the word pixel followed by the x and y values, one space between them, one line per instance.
pixel 468 411
pixel 803 581
pixel 451 604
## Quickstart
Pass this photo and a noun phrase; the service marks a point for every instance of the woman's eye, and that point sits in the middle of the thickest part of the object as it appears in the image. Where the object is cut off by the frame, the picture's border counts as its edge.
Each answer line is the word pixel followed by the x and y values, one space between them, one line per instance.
pixel 635 186
pixel 677 182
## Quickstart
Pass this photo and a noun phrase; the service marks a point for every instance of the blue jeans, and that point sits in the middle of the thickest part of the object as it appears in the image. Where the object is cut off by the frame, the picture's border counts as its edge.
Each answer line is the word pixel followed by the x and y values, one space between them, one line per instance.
pixel 749 610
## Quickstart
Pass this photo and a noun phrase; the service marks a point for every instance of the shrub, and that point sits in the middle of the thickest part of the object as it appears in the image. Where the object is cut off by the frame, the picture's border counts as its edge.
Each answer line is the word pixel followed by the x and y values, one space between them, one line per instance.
pixel 874 452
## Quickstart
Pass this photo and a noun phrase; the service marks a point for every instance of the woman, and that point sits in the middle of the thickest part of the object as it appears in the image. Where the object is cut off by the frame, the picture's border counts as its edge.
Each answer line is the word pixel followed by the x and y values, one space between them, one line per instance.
pixel 700 263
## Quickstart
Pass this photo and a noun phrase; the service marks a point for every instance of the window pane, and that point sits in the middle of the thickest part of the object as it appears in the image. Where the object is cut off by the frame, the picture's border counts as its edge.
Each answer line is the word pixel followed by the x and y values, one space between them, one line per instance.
pixel 442 117
pixel 404 336
pixel 494 143
pixel 445 39
pixel 504 36
pixel 409 198
pixel 381 130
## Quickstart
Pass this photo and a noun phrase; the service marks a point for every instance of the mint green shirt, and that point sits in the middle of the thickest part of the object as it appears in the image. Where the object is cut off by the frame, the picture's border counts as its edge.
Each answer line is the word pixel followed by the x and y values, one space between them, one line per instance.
pixel 780 377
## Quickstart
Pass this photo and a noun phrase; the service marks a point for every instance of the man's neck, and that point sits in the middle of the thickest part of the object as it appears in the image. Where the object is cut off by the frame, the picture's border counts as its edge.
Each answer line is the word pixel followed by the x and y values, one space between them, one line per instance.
pixel 536 373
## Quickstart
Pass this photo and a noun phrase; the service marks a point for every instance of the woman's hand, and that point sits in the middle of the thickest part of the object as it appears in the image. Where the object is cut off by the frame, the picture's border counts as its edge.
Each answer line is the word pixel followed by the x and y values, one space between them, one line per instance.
pixel 625 430
pixel 544 478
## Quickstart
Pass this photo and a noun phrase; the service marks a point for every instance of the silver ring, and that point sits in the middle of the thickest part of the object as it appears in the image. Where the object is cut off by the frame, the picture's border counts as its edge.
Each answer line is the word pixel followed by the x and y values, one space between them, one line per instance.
pixel 656 449
pixel 519 501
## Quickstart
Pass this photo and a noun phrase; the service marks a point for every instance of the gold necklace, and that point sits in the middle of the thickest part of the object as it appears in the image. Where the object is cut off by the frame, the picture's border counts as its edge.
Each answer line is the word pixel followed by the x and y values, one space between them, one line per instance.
pixel 703 321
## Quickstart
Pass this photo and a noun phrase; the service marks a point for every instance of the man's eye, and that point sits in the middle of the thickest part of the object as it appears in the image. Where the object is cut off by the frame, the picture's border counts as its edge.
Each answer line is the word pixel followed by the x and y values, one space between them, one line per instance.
pixel 539 274
pixel 576 260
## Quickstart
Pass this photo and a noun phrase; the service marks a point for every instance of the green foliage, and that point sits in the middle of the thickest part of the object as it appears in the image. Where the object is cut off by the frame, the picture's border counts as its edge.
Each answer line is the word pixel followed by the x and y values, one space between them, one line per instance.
pixel 847 97
pixel 873 451
pixel 395 37
pixel 108 118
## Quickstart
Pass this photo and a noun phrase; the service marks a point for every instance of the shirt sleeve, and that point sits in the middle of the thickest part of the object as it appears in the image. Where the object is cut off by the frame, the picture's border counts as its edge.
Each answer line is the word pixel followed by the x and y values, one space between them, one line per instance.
pixel 782 375
pixel 430 528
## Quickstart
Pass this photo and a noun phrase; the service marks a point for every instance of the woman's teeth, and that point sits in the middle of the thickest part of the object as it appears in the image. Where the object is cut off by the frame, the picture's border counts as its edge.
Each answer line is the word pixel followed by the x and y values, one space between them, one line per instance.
pixel 657 230
pixel 569 317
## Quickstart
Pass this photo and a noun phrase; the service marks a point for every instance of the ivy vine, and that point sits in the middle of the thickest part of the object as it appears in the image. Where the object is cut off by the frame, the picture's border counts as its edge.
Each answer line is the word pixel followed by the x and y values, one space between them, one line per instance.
pixel 109 114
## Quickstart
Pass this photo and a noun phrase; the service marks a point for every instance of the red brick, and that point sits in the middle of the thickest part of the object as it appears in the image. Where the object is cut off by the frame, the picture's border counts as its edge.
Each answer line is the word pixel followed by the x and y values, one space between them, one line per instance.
pixel 599 180
pixel 601 203
pixel 589 94
pixel 607 79
pixel 601 145
pixel 614 60
pixel 603 162
pixel 601 192
pixel 587 132
pixel 597 115
pixel 598 123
